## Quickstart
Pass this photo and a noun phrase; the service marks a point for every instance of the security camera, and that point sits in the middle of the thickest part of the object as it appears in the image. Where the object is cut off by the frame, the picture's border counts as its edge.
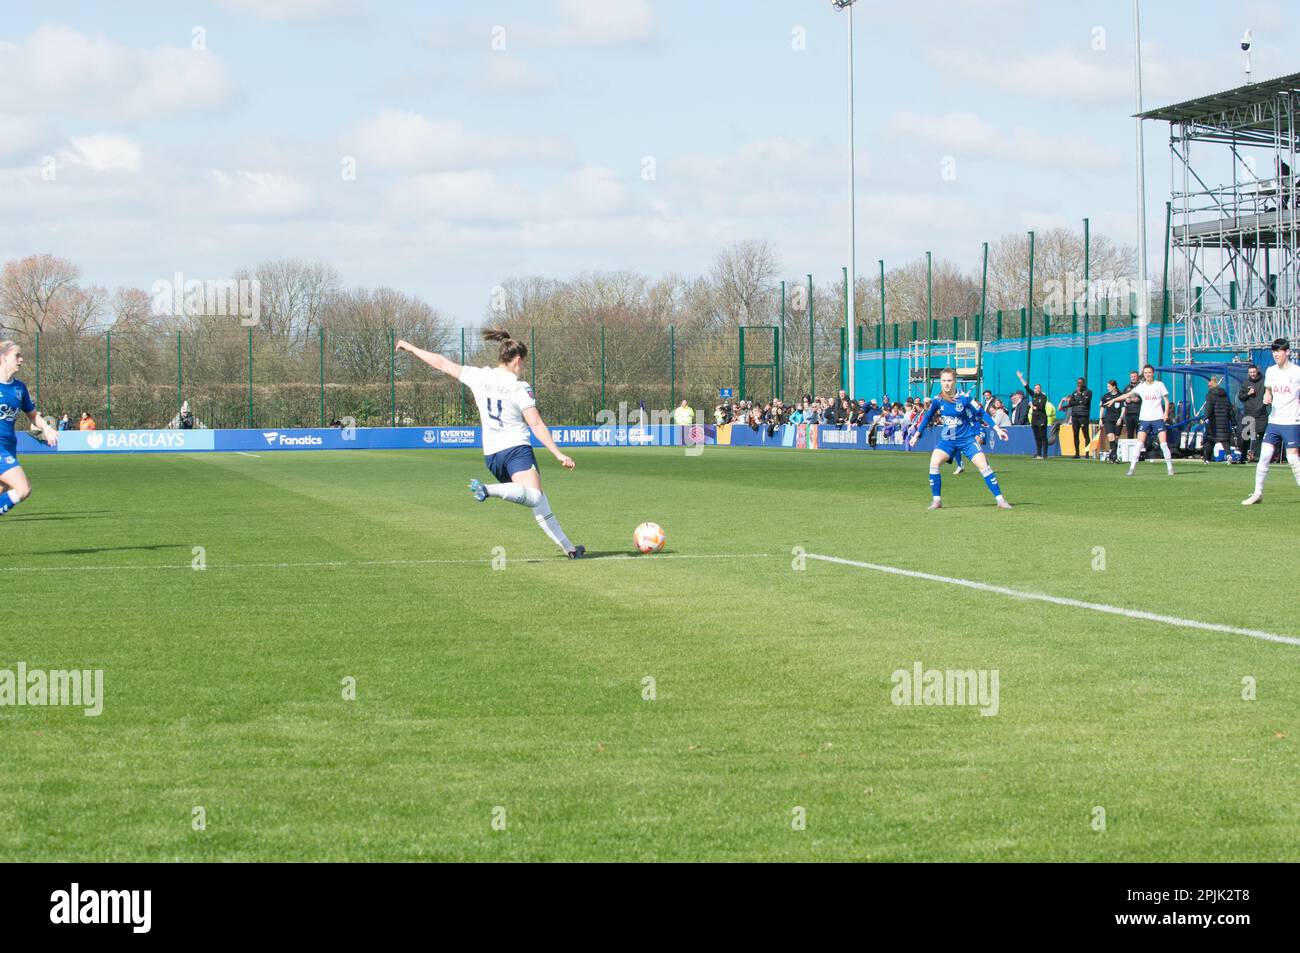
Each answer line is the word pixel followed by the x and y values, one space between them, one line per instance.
pixel 1245 42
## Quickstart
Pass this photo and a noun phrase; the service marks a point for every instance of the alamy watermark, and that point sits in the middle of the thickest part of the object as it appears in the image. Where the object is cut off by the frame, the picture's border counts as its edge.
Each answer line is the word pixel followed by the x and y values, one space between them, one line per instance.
pixel 226 297
pixel 932 686
pixel 73 688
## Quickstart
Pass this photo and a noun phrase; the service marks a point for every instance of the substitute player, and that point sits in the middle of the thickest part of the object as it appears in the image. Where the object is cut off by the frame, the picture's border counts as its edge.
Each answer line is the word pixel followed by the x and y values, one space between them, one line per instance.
pixel 14 485
pixel 508 412
pixel 1154 397
pixel 1282 397
pixel 962 418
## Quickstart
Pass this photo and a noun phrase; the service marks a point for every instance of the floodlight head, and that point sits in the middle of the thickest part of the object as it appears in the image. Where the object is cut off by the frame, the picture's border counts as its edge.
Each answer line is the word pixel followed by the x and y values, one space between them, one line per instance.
pixel 841 4
pixel 1245 41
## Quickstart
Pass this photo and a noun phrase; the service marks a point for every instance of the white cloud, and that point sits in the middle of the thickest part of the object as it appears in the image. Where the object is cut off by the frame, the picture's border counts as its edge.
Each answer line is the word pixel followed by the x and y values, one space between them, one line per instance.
pixel 22 136
pixel 396 140
pixel 61 70
pixel 966 135
pixel 1058 74
pixel 240 194
pixel 285 9
pixel 1087 77
pixel 482 196
pixel 102 152
pixel 506 73
pixel 597 23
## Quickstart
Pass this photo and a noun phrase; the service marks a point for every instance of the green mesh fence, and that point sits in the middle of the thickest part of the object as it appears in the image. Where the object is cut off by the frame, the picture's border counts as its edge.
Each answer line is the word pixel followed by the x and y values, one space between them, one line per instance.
pixel 240 377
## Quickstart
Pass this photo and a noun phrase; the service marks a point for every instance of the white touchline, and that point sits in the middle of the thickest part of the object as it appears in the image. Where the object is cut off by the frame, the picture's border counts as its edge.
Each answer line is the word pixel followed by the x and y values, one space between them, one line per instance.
pixel 1061 601
pixel 373 563
pixel 243 453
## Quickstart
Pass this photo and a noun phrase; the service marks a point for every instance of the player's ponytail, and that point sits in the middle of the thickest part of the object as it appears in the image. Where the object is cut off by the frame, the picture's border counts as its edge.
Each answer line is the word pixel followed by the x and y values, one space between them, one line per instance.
pixel 510 348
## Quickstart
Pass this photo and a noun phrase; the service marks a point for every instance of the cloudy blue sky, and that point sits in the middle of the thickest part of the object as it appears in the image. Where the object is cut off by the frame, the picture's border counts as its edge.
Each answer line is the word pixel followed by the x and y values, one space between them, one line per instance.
pixel 552 137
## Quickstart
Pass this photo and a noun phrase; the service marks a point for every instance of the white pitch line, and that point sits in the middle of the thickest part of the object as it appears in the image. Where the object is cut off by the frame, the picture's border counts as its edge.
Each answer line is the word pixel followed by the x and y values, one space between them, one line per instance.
pixel 364 564
pixel 1061 601
pixel 243 453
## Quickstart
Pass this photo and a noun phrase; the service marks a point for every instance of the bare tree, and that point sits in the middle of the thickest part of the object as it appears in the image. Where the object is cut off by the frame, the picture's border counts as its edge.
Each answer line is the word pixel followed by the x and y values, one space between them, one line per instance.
pixel 293 295
pixel 31 289
pixel 1058 269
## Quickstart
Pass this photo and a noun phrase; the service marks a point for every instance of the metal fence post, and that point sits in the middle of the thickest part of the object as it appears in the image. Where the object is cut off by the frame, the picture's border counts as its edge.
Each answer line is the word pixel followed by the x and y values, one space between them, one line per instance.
pixel 250 378
pixel 741 384
pixel 1029 343
pixel 108 379
pixel 322 375
pixel 180 399
pixel 392 376
pixel 780 370
pixel 462 388
pixel 884 385
pixel 812 345
pixel 1087 271
pixel 672 366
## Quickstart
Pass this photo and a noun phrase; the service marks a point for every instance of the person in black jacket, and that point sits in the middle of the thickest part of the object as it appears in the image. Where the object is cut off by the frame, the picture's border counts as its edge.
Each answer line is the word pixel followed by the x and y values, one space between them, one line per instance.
pixel 1131 408
pixel 1254 413
pixel 1019 410
pixel 1110 411
pixel 1080 404
pixel 1218 419
pixel 1037 416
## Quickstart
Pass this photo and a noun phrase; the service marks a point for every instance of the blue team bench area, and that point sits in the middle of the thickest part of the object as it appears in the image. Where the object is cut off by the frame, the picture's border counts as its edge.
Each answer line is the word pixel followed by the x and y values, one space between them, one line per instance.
pixel 794 436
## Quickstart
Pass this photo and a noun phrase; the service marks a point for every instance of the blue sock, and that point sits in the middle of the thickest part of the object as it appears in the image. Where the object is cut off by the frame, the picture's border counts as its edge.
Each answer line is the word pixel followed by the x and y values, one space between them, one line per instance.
pixel 956 459
pixel 936 482
pixel 991 481
pixel 8 501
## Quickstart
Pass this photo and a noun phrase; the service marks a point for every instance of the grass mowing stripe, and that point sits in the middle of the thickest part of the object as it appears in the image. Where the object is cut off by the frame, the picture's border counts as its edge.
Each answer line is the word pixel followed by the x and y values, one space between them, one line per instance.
pixel 1061 601
pixel 371 563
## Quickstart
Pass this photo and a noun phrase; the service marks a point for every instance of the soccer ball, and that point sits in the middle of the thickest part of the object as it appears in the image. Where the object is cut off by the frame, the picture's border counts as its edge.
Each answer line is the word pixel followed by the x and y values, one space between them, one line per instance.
pixel 649 537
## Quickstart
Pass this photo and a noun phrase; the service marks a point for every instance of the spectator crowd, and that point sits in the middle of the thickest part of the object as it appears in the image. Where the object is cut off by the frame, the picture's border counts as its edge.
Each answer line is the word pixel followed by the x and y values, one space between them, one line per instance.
pixel 888 421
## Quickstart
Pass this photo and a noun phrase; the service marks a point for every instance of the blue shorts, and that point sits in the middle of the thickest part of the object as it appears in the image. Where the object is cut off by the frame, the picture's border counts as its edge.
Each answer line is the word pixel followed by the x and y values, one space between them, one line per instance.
pixel 7 461
pixel 1286 434
pixel 1151 426
pixel 967 448
pixel 506 463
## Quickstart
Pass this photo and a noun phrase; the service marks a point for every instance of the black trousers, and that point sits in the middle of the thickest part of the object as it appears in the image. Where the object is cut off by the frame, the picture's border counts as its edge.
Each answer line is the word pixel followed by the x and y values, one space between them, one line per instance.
pixel 1040 439
pixel 1252 447
pixel 1080 427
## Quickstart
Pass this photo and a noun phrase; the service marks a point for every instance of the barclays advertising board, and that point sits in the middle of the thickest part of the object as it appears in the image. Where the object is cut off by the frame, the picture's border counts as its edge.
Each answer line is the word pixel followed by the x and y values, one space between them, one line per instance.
pixel 133 441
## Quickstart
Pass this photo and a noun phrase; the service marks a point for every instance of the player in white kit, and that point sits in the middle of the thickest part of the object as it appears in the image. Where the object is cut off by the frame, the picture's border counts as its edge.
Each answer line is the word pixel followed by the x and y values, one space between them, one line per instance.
pixel 1282 397
pixel 508 413
pixel 1151 418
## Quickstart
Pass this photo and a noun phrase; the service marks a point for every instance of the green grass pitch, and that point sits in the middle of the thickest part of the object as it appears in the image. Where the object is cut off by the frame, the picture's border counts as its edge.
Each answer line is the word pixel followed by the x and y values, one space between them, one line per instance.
pixel 516 695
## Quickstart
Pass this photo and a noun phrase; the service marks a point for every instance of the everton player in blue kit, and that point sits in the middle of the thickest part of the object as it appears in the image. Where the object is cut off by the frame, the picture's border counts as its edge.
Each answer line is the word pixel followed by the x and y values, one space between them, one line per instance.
pixel 14 486
pixel 963 418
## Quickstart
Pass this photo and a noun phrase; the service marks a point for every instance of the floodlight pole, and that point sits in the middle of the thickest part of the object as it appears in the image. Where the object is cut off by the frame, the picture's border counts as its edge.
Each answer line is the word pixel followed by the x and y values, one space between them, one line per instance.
pixel 850 319
pixel 1144 297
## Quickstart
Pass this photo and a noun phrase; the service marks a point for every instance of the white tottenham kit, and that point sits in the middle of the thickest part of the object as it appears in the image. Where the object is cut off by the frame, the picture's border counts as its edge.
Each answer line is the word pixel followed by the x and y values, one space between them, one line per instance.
pixel 1284 383
pixel 501 398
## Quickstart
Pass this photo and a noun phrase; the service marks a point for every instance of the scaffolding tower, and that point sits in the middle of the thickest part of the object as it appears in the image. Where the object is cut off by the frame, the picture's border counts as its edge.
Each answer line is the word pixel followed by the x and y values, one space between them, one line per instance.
pixel 927 359
pixel 1235 222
